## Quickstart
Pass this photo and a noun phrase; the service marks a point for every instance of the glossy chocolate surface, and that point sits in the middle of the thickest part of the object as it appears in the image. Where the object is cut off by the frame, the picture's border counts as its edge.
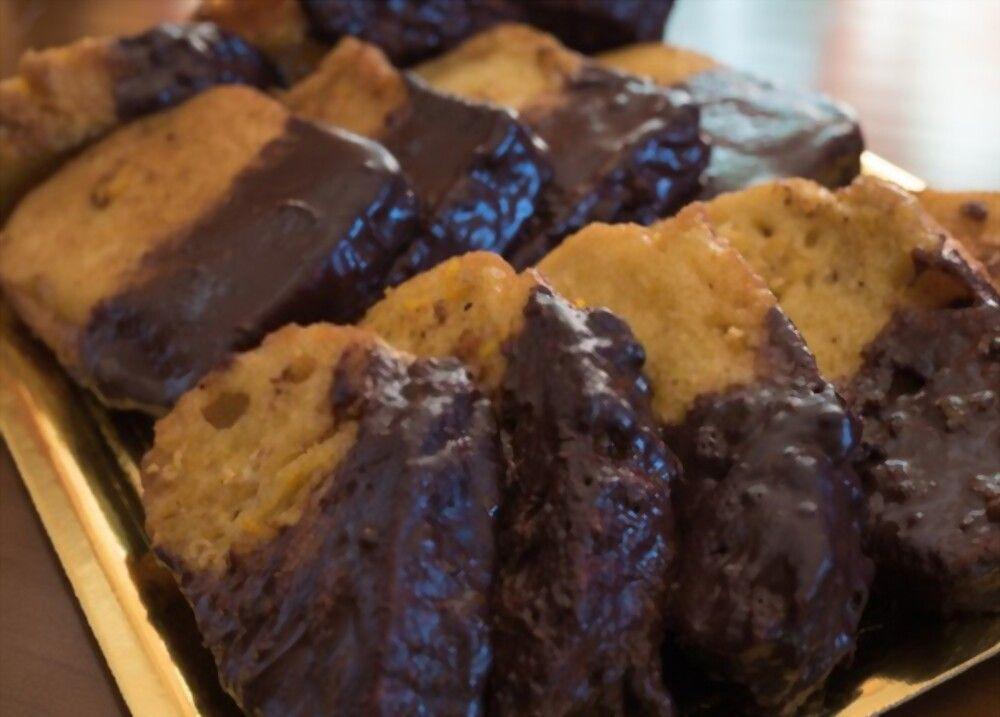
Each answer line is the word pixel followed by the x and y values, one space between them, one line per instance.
pixel 171 62
pixel 586 531
pixel 771 579
pixel 376 600
pixel 413 30
pixel 307 233
pixel 478 171
pixel 929 396
pixel 760 131
pixel 622 150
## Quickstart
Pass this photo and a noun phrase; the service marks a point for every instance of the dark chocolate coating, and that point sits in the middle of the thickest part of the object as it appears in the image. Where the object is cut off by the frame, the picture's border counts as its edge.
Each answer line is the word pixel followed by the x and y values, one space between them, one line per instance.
pixel 409 31
pixel 586 530
pixel 594 25
pixel 377 600
pixel 478 171
pixel 307 233
pixel 760 131
pixel 771 579
pixel 929 397
pixel 622 150
pixel 171 62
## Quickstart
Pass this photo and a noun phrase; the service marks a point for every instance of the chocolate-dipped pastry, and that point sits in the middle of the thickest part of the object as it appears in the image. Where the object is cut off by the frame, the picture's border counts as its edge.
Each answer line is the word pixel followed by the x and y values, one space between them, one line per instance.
pixel 622 149
pixel 343 566
pixel 295 33
pixel 63 98
pixel 479 173
pixel 758 130
pixel 918 360
pixel 180 238
pixel 771 580
pixel 586 533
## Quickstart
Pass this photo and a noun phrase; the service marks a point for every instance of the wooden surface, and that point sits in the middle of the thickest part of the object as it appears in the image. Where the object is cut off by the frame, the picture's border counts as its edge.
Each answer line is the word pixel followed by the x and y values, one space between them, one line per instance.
pixel 50 665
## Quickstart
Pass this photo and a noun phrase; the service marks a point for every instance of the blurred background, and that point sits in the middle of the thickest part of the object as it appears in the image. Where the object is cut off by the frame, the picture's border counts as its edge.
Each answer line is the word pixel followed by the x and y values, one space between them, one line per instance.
pixel 924 75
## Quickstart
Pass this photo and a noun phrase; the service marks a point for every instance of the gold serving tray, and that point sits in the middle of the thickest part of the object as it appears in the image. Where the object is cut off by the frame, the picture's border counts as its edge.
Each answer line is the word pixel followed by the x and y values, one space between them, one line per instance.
pixel 80 465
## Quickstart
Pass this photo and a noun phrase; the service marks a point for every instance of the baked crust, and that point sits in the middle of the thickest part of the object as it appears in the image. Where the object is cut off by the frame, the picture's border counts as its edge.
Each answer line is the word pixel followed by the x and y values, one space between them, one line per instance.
pixel 974 219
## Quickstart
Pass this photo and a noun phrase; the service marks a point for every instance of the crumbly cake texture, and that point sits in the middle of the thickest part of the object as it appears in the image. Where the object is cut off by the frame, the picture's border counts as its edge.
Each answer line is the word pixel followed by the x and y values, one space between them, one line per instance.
pixel 295 32
pixel 326 504
pixel 910 327
pixel 759 131
pixel 827 256
pixel 466 307
pixel 765 447
pixel 644 155
pixel 974 219
pixel 134 262
pixel 479 173
pixel 65 97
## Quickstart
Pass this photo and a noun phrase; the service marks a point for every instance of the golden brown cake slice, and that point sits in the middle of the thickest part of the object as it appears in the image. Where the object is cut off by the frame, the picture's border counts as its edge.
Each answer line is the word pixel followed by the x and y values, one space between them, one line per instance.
pixel 62 98
pixel 578 621
pixel 180 238
pixel 327 504
pixel 974 219
pixel 621 149
pixel 911 331
pixel 770 580
pixel 479 173
pixel 758 130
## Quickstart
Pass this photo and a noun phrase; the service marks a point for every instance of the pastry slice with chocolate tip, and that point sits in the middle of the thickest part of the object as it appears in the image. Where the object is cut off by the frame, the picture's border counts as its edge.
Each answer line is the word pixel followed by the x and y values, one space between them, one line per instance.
pixel 974 219
pixel 327 504
pixel 294 32
pixel 179 238
pixel 478 172
pixel 758 130
pixel 65 97
pixel 622 149
pixel 586 530
pixel 770 578
pixel 910 329
pixel 586 536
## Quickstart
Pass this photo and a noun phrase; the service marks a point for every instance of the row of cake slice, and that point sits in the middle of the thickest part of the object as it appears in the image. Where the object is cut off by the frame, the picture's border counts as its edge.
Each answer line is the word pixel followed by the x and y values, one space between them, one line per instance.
pixel 670 464
pixel 109 279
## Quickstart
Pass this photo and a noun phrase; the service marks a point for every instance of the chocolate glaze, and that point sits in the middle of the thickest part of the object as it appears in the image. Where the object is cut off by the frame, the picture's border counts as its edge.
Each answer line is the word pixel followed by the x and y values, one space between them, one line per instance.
pixel 478 171
pixel 171 62
pixel 376 600
pixel 594 25
pixel 771 579
pixel 623 150
pixel 413 30
pixel 585 539
pixel 760 131
pixel 929 396
pixel 407 30
pixel 307 233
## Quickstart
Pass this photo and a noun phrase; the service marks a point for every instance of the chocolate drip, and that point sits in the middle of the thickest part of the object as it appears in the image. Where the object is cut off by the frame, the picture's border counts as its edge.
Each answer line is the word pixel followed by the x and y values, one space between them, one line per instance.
pixel 376 600
pixel 771 579
pixel 308 233
pixel 413 30
pixel 760 131
pixel 622 150
pixel 478 171
pixel 170 63
pixel 929 396
pixel 585 538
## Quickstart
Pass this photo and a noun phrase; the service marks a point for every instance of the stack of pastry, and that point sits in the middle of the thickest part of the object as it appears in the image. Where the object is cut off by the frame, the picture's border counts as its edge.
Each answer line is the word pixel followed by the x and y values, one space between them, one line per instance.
pixel 481 383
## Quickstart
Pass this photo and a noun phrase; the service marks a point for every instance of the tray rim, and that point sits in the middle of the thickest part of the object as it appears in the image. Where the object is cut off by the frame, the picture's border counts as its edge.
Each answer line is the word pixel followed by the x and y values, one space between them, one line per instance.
pixel 93 555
